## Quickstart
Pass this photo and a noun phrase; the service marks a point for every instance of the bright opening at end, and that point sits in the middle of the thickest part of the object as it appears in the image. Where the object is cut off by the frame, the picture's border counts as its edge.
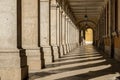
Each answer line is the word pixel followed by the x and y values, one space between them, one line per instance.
pixel 89 36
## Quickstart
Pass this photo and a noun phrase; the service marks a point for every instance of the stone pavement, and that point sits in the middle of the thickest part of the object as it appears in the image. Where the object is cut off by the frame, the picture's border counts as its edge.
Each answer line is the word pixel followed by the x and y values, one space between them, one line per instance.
pixel 83 63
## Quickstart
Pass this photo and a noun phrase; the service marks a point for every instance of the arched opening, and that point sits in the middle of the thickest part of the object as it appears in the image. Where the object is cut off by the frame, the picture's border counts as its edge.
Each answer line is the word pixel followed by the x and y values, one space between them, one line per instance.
pixel 89 36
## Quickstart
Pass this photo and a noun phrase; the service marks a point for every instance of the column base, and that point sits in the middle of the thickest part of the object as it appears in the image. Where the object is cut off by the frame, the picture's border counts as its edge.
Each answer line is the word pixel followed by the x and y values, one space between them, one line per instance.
pixel 55 52
pixel 73 46
pixel 65 49
pixel 59 55
pixel 13 65
pixel 61 50
pixel 68 48
pixel 35 60
pixel 48 55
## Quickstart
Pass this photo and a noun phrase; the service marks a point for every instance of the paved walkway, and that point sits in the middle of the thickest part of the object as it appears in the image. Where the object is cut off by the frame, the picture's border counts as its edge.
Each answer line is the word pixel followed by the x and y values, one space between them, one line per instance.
pixel 83 63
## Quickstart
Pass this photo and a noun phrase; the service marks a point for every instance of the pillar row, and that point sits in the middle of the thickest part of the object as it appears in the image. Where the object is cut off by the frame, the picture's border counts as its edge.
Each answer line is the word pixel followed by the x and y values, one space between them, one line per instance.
pixel 33 34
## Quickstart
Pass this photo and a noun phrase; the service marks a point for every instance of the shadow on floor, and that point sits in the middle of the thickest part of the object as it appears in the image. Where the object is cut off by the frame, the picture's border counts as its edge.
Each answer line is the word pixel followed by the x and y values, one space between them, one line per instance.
pixel 86 64
pixel 93 74
pixel 72 62
pixel 76 58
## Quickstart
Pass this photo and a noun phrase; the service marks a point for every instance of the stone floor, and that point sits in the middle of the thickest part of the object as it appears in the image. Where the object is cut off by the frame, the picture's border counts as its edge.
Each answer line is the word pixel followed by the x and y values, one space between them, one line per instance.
pixel 83 63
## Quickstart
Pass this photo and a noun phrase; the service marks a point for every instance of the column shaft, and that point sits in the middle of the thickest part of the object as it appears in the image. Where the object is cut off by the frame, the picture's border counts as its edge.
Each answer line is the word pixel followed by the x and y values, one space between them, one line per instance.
pixel 30 34
pixel 63 32
pixel 68 35
pixel 53 29
pixel 60 33
pixel 58 30
pixel 45 31
pixel 67 50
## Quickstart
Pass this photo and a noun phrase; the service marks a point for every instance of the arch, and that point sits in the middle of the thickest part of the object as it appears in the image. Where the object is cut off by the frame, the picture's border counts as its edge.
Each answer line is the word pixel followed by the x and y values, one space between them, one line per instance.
pixel 84 28
pixel 79 22
pixel 94 31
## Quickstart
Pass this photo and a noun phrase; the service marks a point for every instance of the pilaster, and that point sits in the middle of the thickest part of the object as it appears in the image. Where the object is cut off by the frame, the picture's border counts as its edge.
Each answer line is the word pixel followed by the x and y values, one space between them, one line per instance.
pixel 60 33
pixel 58 30
pixel 45 31
pixel 30 35
pixel 13 60
pixel 67 32
pixel 63 32
pixel 53 29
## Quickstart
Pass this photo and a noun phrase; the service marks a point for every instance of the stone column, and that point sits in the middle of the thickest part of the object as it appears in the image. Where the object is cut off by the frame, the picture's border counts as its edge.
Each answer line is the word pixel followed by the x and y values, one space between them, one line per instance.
pixel 75 42
pixel 78 37
pixel 30 35
pixel 67 49
pixel 63 32
pixel 118 17
pixel 68 34
pixel 13 63
pixel 117 40
pixel 60 33
pixel 45 31
pixel 53 29
pixel 58 30
pixel 65 46
pixel 70 38
pixel 73 37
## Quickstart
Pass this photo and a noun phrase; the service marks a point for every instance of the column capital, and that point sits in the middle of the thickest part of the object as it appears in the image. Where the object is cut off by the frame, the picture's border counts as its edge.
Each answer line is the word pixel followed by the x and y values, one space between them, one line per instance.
pixel 64 14
pixel 67 17
pixel 54 3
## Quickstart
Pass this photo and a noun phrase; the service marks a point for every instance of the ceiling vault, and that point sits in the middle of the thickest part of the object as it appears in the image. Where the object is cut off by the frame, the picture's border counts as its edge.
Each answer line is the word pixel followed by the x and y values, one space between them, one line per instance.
pixel 93 9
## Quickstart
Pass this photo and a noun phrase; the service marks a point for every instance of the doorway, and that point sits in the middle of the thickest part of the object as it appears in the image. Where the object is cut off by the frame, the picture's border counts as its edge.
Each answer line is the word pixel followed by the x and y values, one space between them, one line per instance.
pixel 88 36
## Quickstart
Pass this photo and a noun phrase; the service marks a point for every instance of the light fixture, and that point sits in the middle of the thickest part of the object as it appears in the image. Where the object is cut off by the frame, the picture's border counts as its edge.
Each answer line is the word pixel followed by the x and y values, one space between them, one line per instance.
pixel 86 16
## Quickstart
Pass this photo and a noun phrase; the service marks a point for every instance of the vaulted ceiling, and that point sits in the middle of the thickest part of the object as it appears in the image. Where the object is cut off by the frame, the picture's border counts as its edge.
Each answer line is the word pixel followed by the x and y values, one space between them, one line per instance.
pixel 91 8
